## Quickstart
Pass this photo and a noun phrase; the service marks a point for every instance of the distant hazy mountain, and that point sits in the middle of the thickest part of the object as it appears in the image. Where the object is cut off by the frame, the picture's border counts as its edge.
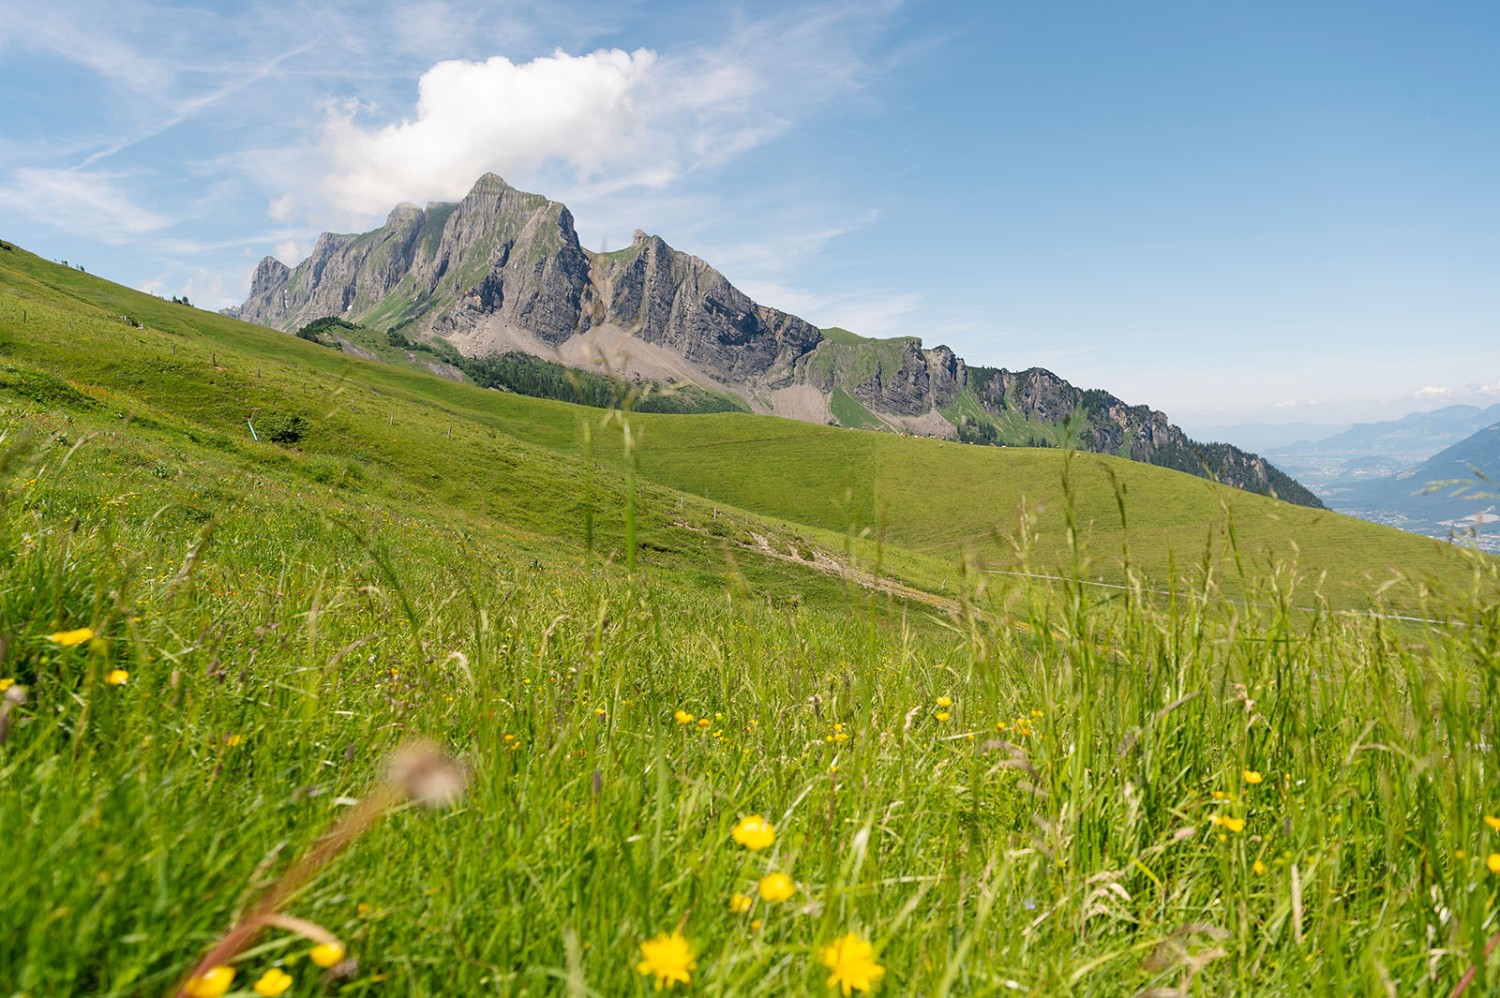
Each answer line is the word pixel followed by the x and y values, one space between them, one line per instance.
pixel 1451 493
pixel 1408 440
pixel 1265 437
pixel 502 273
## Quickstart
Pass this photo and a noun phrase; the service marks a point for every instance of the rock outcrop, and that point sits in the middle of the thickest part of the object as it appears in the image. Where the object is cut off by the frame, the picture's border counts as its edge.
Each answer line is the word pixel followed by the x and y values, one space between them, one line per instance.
pixel 503 270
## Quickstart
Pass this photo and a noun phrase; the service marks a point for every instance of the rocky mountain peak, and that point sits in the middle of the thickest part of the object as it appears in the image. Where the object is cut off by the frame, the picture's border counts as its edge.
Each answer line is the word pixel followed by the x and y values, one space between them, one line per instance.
pixel 270 275
pixel 503 271
pixel 404 214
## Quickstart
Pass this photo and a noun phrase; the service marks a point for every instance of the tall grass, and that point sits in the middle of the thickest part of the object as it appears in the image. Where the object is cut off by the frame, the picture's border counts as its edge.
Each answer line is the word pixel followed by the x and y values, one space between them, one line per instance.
pixel 1071 827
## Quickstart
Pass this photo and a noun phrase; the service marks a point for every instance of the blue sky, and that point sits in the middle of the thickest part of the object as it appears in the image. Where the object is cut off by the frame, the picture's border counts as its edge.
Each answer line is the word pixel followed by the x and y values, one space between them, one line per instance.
pixel 1233 211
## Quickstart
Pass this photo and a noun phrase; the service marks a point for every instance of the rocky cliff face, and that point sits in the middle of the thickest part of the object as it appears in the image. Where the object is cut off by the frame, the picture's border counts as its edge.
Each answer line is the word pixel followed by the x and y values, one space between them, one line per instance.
pixel 503 270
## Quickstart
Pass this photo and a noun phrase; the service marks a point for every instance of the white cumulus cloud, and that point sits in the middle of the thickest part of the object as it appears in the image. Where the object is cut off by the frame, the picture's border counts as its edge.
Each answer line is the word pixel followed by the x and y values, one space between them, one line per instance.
pixel 588 113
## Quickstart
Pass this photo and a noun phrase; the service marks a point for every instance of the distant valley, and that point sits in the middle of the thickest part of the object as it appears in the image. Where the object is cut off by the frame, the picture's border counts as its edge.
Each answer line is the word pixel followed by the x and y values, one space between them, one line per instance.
pixel 1435 473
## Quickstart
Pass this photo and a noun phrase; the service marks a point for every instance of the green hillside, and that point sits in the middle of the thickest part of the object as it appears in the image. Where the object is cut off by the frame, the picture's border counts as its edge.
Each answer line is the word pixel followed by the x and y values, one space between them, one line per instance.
pixel 213 639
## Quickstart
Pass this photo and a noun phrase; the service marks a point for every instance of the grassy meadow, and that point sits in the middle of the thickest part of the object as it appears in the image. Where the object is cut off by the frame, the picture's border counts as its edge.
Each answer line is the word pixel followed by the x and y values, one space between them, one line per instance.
pixel 987 775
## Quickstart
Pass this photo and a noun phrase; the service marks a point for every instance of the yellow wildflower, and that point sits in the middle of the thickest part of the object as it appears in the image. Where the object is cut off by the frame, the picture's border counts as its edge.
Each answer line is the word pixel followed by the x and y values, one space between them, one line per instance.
pixel 1489 819
pixel 942 715
pixel 1493 862
pixel 668 958
pixel 704 722
pixel 6 684
pixel 1038 715
pixel 839 736
pixel 945 701
pixel 776 887
pixel 326 954
pixel 70 638
pixel 1000 725
pixel 1225 821
pixel 1259 868
pixel 851 961
pixel 273 982
pixel 234 741
pixel 683 717
pixel 1252 776
pixel 117 677
pixel 210 985
pixel 754 832
pixel 1220 795
pixel 739 903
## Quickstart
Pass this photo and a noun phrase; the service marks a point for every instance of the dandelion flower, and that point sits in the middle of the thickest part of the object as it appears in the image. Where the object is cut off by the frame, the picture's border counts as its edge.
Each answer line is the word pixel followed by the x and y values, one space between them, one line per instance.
pixel 851 962
pixel 1225 821
pixel 1489 819
pixel 942 715
pixel 1493 862
pixel 326 955
pixel 777 887
pixel 668 958
pixel 210 985
pixel 739 903
pixel 6 684
pixel 945 701
pixel 273 982
pixel 117 677
pixel 70 638
pixel 754 833
pixel 1253 776
pixel 704 722
pixel 1259 868
pixel 683 717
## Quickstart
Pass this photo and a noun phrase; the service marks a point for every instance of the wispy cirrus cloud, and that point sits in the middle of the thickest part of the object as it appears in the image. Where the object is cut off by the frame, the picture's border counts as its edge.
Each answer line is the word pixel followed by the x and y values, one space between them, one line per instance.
pixel 94 204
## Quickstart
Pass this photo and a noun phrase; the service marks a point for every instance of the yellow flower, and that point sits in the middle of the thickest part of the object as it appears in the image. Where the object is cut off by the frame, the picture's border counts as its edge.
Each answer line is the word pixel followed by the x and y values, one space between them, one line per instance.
pixel 1225 821
pixel 839 736
pixel 776 887
pixel 6 684
pixel 1489 819
pixel 668 958
pixel 326 954
pixel 210 985
pixel 70 638
pixel 1038 714
pixel 739 903
pixel 117 677
pixel 1259 868
pixel 683 717
pixel 704 722
pixel 1493 862
pixel 1000 725
pixel 942 715
pixel 1252 776
pixel 754 832
pixel 273 982
pixel 1220 795
pixel 851 961
pixel 234 740
pixel 945 701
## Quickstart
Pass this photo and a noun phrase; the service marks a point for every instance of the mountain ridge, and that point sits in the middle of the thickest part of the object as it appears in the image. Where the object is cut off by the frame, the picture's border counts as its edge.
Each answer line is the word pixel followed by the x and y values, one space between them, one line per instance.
pixel 503 271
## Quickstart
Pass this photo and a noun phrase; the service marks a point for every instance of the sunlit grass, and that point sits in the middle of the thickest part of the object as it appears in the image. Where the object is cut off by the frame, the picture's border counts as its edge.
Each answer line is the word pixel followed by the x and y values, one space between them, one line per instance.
pixel 727 766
